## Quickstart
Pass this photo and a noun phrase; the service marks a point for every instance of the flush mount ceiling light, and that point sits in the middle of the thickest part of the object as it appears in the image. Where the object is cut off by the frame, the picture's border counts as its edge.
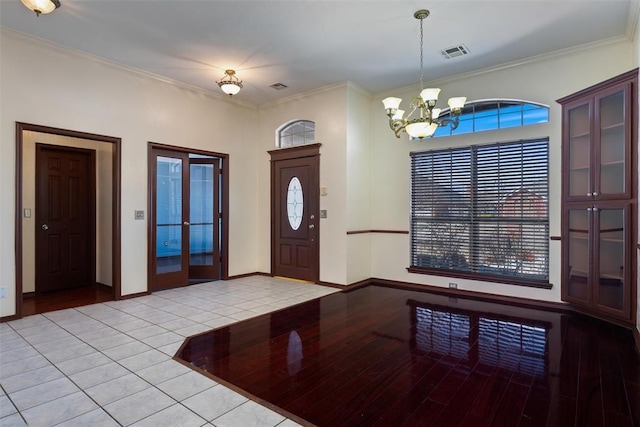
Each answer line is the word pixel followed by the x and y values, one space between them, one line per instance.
pixel 426 121
pixel 230 83
pixel 42 6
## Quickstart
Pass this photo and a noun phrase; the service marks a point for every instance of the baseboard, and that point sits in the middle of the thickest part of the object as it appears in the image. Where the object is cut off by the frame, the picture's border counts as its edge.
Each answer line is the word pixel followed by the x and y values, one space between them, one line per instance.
pixel 8 318
pixel 136 295
pixel 240 276
pixel 479 296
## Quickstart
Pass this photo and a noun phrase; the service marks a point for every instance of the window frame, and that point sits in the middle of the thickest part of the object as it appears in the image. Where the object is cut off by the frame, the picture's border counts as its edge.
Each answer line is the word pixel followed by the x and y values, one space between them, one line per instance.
pixel 473 218
pixel 308 135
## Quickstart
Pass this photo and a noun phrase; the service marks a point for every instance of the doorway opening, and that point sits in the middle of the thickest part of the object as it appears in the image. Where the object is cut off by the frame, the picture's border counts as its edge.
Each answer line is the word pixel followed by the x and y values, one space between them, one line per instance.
pixel 90 252
pixel 187 227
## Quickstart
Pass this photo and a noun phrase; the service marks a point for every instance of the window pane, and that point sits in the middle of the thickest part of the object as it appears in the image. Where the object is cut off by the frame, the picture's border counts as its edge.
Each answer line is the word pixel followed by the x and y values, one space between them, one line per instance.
pixel 491 115
pixel 297 133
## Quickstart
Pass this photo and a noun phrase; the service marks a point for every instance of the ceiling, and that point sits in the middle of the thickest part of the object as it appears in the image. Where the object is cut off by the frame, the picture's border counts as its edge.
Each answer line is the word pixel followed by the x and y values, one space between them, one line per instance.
pixel 306 44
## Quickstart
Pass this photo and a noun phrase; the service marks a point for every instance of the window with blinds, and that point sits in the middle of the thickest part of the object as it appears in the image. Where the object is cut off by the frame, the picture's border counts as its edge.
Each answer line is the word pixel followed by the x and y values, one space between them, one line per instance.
pixel 482 210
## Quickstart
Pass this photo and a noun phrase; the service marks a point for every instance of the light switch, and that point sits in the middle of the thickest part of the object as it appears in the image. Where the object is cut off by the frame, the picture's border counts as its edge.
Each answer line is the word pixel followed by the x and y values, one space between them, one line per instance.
pixel 323 213
pixel 27 213
pixel 139 214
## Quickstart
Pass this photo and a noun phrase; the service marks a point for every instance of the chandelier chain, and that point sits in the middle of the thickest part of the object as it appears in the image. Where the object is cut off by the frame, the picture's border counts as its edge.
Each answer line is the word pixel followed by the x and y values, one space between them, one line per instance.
pixel 421 56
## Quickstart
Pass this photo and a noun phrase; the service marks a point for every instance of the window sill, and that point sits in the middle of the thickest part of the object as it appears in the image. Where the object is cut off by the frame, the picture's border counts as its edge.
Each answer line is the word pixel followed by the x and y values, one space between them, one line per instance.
pixel 482 277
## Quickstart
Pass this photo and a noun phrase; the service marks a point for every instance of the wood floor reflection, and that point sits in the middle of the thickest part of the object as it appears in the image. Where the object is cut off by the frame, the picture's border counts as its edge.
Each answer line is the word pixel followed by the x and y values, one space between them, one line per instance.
pixel 380 356
pixel 68 298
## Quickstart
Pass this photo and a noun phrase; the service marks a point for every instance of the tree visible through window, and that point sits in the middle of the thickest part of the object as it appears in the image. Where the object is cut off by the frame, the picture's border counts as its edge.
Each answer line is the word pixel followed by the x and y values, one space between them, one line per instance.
pixel 299 132
pixel 482 210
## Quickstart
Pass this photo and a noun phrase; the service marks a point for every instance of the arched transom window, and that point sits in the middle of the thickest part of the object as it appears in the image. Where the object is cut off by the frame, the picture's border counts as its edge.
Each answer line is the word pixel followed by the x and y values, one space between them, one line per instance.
pixel 299 132
pixel 478 116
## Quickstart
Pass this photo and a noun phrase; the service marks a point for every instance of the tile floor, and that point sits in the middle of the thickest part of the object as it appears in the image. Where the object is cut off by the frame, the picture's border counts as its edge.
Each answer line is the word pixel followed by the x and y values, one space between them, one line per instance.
pixel 110 364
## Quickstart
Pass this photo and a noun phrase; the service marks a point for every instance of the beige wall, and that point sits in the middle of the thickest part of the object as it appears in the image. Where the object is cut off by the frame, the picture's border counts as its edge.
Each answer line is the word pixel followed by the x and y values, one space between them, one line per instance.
pixel 328 109
pixel 359 189
pixel 541 81
pixel 47 85
pixel 104 205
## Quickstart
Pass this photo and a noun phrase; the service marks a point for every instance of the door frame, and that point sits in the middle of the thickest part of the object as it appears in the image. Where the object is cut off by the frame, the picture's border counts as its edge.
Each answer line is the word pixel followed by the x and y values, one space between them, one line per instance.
pixel 116 203
pixel 297 152
pixel 224 204
pixel 91 154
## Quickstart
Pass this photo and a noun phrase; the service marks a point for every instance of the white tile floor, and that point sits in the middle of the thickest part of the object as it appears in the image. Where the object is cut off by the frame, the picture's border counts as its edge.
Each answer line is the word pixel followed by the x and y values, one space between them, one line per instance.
pixel 110 364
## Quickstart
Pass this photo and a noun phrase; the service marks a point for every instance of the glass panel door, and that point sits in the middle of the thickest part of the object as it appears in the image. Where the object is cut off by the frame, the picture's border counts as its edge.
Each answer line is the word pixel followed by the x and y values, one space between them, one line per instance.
pixel 204 237
pixel 168 215
pixel 612 256
pixel 578 254
pixel 579 152
pixel 613 147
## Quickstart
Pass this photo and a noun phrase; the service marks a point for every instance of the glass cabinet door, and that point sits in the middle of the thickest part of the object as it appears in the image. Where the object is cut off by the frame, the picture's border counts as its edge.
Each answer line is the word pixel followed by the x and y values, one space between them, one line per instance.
pixel 577 273
pixel 613 148
pixel 578 152
pixel 611 244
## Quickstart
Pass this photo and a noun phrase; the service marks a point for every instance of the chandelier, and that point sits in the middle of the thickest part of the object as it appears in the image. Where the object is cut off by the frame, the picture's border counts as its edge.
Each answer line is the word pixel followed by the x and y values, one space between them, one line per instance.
pixel 230 83
pixel 423 119
pixel 42 6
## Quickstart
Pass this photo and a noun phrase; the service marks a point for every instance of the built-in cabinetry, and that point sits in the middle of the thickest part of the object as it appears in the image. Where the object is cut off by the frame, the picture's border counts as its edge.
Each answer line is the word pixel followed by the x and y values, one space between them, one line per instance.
pixel 599 197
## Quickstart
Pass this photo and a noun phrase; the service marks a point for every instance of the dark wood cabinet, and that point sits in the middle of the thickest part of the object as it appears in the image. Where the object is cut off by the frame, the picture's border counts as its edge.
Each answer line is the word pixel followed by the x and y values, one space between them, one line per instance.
pixel 599 197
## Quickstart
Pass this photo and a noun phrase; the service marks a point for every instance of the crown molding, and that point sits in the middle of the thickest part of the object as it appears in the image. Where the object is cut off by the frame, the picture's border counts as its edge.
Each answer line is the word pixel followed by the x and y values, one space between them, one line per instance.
pixel 4 31
pixel 507 65
pixel 632 19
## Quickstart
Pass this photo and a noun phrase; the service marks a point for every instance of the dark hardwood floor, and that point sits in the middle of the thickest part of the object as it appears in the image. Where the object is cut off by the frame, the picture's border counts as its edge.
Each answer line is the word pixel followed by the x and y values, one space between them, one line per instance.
pixel 69 298
pixel 380 356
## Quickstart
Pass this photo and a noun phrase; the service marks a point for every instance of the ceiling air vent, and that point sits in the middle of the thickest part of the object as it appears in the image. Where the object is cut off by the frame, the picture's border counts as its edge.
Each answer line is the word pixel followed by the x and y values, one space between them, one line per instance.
pixel 455 51
pixel 279 86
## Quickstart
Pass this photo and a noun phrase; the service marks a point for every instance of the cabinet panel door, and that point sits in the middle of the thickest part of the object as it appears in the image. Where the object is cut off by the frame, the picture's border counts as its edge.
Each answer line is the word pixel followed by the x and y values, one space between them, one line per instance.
pixel 577 253
pixel 577 147
pixel 613 143
pixel 612 278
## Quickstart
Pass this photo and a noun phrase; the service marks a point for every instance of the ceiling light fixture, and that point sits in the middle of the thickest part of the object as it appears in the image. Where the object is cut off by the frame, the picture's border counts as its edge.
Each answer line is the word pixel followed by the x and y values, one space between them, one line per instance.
pixel 42 6
pixel 427 122
pixel 230 83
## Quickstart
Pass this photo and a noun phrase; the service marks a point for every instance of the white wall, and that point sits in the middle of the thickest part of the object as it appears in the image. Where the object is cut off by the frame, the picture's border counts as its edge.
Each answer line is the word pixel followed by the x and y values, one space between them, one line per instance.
pixel 542 81
pixel 328 109
pixel 104 206
pixel 45 85
pixel 359 189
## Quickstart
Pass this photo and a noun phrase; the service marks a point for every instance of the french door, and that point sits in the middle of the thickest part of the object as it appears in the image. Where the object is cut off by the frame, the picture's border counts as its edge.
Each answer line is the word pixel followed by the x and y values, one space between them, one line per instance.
pixel 185 218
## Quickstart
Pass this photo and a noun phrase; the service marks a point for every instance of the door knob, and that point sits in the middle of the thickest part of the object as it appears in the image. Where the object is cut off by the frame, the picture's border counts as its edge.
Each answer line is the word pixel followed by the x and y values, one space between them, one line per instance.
pixel 312 226
pixel 186 223
pixel 45 227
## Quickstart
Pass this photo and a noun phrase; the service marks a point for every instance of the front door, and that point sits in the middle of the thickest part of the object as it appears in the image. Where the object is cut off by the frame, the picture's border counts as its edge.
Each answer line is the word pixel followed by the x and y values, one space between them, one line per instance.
pixel 65 217
pixel 295 212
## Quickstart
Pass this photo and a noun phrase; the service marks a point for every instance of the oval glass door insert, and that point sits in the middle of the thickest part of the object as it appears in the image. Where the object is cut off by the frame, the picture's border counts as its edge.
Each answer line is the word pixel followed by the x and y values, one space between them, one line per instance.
pixel 295 201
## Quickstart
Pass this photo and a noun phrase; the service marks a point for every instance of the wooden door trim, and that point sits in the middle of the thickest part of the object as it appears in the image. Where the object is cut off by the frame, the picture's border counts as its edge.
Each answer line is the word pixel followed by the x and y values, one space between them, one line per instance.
pixel 92 199
pixel 215 163
pixel 224 201
pixel 297 152
pixel 116 201
pixel 156 282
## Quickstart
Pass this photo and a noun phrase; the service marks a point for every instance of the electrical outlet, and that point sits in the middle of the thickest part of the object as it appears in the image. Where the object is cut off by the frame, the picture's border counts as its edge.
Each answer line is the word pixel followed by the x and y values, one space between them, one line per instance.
pixel 3 292
pixel 453 285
